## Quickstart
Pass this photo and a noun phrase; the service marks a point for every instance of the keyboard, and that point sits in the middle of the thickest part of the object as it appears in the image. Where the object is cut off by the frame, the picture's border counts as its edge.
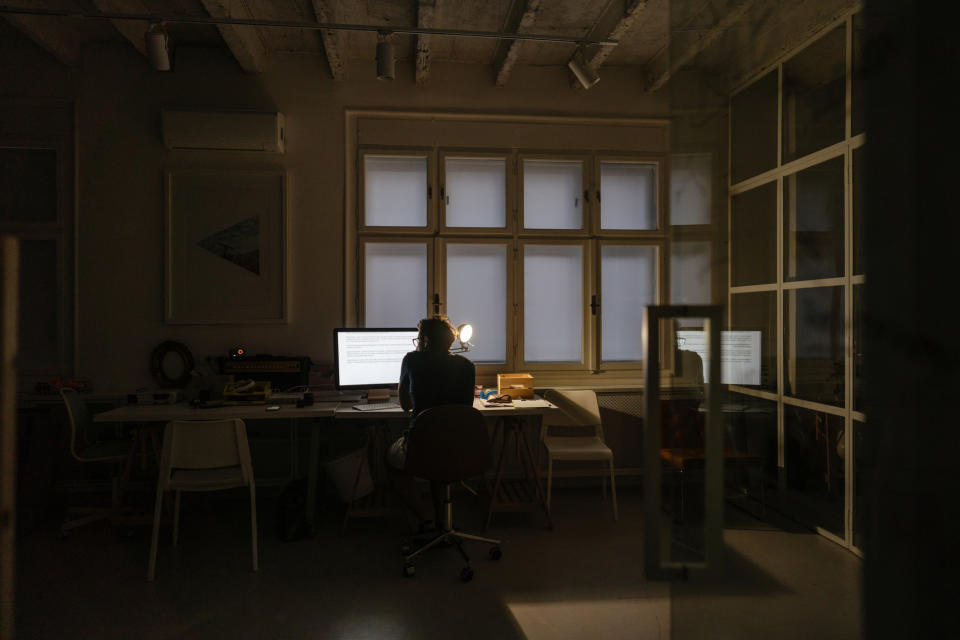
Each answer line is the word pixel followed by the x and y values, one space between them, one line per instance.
pixel 376 406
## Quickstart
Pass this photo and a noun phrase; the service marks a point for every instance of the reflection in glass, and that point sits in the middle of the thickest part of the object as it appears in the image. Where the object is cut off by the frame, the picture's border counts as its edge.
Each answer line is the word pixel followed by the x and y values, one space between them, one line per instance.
pixel 552 192
pixel 857 347
pixel 813 222
pixel 753 134
pixel 629 199
pixel 475 192
pixel 690 275
pixel 753 231
pixel 394 191
pixel 750 428
pixel 758 312
pixel 864 465
pixel 40 337
pixel 691 193
pixel 813 96
pixel 859 210
pixel 28 185
pixel 856 111
pixel 813 344
pixel 814 454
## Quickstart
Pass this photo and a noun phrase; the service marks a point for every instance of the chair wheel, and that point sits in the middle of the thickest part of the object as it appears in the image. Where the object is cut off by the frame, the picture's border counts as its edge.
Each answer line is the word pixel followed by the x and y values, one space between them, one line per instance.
pixel 495 553
pixel 405 549
pixel 409 570
pixel 466 574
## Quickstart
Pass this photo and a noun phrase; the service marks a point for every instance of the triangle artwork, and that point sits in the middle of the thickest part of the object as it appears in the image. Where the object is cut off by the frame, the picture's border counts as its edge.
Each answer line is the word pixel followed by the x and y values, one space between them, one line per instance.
pixel 238 243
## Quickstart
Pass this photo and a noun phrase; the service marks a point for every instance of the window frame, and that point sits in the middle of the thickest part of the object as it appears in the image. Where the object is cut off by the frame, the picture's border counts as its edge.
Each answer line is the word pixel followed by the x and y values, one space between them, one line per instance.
pixel 406 152
pixel 661 178
pixel 362 243
pixel 586 180
pixel 510 191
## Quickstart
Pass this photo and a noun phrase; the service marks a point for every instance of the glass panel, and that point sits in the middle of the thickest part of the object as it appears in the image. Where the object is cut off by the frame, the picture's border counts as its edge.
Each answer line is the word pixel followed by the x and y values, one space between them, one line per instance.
pixel 28 185
pixel 758 312
pixel 628 195
pixel 750 429
pixel 864 468
pixel 472 268
pixel 396 283
pixel 691 188
pixel 628 284
pixel 813 222
pixel 813 344
pixel 859 210
pixel 551 194
pixel 813 461
pixel 856 112
pixel 856 337
pixel 552 303
pixel 690 275
pixel 753 231
pixel 395 191
pixel 39 296
pixel 813 96
pixel 753 134
pixel 476 192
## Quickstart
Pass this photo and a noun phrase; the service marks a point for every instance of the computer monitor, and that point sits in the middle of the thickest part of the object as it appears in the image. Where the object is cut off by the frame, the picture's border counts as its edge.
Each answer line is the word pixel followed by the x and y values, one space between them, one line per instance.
pixel 370 358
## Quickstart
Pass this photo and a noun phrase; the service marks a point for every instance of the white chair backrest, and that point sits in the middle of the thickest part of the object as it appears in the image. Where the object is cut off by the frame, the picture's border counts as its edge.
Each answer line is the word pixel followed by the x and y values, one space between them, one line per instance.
pixel 205 444
pixel 79 418
pixel 579 409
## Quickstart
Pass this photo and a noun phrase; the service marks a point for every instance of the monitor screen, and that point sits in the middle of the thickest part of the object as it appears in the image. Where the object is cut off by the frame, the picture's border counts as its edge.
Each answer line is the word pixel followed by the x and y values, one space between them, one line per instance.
pixel 370 358
pixel 739 354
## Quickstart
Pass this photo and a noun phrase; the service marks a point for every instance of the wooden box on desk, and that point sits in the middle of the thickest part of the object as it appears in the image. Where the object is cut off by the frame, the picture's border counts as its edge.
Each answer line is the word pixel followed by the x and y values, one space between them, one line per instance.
pixel 516 385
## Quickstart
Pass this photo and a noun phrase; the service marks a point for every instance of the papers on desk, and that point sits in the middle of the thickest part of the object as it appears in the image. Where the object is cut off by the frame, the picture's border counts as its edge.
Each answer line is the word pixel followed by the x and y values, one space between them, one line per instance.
pixel 519 403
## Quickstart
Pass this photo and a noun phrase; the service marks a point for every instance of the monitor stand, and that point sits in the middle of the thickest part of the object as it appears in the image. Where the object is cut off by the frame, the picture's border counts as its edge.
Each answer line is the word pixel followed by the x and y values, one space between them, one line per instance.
pixel 378 395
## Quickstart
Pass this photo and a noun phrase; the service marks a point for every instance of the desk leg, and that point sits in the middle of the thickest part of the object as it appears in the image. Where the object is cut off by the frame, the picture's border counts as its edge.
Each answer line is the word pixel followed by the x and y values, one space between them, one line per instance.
pixel 536 475
pixel 294 450
pixel 313 473
pixel 502 428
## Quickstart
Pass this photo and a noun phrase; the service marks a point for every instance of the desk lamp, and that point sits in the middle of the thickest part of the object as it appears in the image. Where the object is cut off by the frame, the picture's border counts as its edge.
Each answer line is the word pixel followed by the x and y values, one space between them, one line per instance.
pixel 464 333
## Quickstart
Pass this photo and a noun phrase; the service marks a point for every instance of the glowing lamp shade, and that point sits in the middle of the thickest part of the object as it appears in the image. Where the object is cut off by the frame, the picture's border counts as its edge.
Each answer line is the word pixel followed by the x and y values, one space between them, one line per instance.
pixel 464 333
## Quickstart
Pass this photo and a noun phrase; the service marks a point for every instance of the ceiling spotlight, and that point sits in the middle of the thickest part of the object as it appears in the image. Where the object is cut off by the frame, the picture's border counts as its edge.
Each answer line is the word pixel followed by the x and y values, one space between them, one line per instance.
pixel 158 49
pixel 585 75
pixel 385 59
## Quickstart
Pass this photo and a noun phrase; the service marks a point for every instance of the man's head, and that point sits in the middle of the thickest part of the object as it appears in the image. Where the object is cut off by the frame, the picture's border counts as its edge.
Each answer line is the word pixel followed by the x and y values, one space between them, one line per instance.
pixel 436 333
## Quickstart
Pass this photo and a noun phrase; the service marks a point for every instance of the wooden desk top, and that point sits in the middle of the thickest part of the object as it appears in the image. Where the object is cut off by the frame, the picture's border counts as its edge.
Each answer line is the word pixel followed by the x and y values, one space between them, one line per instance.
pixel 181 411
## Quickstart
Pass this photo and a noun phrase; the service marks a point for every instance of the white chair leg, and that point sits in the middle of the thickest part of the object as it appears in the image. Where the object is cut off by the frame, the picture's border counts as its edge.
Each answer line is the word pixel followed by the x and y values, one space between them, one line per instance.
pixel 176 516
pixel 253 525
pixel 152 566
pixel 613 491
pixel 549 479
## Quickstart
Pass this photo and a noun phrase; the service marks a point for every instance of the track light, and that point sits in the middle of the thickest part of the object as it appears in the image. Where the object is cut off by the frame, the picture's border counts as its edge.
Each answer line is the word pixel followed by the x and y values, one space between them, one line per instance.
pixel 585 75
pixel 158 50
pixel 385 60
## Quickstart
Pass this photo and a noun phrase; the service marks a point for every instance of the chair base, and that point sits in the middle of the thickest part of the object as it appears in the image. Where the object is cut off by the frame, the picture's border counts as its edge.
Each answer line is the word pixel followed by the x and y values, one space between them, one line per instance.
pixel 453 538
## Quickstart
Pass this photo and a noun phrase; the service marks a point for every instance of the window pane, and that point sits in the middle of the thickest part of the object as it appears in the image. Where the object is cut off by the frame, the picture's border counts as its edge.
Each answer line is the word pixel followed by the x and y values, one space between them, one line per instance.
pixel 691 192
pixel 758 312
pixel 856 337
pixel 39 297
pixel 395 191
pixel 690 275
pixel 753 134
pixel 475 192
pixel 28 185
pixel 864 470
pixel 474 268
pixel 551 194
pixel 813 344
pixel 552 303
pixel 813 96
pixel 753 222
pixel 629 195
pixel 750 426
pixel 859 210
pixel 628 284
pixel 813 222
pixel 813 461
pixel 396 284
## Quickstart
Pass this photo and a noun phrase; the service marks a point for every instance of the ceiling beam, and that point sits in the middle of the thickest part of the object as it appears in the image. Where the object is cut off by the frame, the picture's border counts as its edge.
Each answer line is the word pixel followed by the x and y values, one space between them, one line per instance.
pixel 523 13
pixel 132 30
pixel 331 42
pixel 615 24
pixel 660 68
pixel 62 42
pixel 425 15
pixel 244 42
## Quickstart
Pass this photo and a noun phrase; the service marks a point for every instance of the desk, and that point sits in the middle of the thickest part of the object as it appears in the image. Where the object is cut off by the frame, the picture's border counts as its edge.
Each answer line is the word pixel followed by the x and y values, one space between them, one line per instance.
pixel 168 412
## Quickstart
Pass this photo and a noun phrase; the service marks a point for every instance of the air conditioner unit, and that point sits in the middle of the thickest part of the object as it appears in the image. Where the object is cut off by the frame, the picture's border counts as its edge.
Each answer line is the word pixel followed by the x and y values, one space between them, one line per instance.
pixel 225 130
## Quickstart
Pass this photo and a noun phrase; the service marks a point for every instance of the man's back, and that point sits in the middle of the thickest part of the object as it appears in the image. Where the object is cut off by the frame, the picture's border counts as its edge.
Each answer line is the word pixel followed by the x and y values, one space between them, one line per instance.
pixel 437 378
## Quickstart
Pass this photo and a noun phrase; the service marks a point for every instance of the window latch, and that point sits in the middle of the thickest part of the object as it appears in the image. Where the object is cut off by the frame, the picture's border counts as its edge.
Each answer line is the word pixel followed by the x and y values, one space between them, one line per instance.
pixel 436 304
pixel 594 305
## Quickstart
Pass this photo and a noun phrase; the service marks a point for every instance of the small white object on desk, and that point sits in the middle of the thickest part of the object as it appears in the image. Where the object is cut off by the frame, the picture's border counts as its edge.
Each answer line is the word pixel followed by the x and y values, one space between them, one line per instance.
pixel 533 403
pixel 376 406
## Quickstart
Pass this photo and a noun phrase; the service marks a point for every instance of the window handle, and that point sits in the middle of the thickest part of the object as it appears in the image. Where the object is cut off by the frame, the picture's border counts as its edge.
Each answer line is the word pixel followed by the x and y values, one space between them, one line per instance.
pixel 586 196
pixel 598 195
pixel 436 304
pixel 594 304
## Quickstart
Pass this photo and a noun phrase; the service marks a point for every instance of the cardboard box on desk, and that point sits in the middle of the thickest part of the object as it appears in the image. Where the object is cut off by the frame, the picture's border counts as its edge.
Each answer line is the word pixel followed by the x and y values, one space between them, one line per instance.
pixel 257 394
pixel 515 385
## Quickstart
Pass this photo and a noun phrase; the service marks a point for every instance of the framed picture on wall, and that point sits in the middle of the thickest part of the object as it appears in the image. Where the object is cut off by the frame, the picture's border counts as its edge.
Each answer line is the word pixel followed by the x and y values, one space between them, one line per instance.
pixel 225 247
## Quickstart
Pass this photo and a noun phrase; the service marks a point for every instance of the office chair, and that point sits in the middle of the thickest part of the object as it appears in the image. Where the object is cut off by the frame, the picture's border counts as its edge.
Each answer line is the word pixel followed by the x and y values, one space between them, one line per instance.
pixel 203 455
pixel 578 409
pixel 84 449
pixel 448 444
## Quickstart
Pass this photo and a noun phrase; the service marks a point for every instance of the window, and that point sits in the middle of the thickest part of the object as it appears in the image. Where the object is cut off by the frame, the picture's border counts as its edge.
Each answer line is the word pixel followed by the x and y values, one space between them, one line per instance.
pixel 395 191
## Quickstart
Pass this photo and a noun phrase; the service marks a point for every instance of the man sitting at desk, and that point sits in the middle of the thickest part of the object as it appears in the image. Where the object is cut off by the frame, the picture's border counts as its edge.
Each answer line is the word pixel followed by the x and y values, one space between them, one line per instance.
pixel 430 376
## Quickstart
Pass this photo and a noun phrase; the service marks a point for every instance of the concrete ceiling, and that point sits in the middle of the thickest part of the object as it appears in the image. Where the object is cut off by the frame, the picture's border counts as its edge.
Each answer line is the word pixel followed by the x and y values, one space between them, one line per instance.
pixel 654 36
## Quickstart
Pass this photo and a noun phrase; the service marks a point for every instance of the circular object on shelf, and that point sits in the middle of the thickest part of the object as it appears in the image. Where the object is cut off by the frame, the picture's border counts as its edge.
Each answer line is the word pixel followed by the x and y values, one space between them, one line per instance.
pixel 171 364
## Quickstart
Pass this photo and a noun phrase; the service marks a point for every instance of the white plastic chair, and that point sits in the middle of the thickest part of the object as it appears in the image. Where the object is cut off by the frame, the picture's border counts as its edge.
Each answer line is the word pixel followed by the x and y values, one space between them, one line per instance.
pixel 579 409
pixel 203 455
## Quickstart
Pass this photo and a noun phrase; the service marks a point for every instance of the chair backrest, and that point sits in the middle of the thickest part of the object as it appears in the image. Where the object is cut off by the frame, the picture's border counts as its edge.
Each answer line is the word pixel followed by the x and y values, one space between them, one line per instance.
pixel 448 443
pixel 79 418
pixel 205 444
pixel 578 408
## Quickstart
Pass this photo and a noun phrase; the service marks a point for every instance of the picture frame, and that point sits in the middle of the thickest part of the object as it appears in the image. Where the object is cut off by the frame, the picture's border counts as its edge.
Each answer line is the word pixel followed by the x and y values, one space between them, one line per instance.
pixel 225 246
